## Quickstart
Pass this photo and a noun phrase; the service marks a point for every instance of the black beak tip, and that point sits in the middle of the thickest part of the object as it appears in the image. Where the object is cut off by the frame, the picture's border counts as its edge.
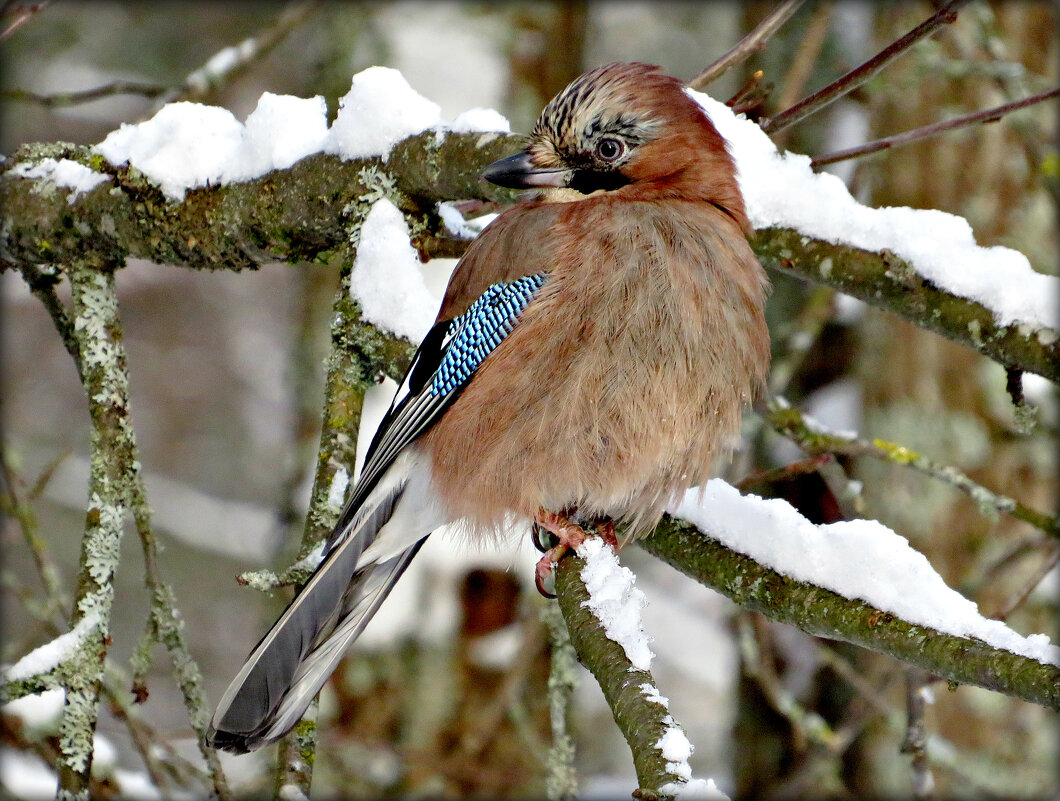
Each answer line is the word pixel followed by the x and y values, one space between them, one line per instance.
pixel 510 172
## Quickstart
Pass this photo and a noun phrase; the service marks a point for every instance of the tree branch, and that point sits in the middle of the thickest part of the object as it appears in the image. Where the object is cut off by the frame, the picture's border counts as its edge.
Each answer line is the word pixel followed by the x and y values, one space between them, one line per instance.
pixel 752 43
pixel 888 282
pixel 642 720
pixel 97 329
pixel 824 613
pixel 927 131
pixel 859 75
pixel 307 213
pixel 815 441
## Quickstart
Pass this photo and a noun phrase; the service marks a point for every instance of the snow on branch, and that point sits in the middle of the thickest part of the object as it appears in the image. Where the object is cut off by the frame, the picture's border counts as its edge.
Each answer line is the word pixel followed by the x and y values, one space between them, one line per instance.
pixel 855 581
pixel 283 185
pixel 602 609
pixel 45 660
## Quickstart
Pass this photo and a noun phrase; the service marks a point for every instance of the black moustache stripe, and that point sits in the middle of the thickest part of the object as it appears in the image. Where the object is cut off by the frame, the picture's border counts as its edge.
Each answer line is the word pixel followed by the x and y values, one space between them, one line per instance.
pixel 587 181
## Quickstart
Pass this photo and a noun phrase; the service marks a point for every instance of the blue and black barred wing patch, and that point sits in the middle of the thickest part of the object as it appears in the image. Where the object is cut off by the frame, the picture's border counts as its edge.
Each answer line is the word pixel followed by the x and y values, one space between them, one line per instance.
pixel 444 364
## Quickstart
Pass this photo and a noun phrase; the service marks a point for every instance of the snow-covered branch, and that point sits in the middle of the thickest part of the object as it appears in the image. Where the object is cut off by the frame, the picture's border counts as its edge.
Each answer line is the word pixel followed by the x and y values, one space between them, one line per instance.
pixel 602 609
pixel 747 580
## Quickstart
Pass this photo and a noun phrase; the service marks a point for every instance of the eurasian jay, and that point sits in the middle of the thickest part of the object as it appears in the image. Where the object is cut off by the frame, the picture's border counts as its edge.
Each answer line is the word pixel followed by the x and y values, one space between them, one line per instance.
pixel 590 361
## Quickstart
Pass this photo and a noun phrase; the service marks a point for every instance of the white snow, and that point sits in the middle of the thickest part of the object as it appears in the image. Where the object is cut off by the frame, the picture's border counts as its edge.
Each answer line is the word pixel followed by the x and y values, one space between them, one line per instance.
pixel 62 172
pixel 480 119
pixel 25 775
pixel 337 491
pixel 651 692
pixel 386 280
pixel 860 559
pixel 379 111
pixel 676 749
pixel 614 600
pixel 48 656
pixel 188 145
pixel 782 190
pixel 694 790
pixel 37 711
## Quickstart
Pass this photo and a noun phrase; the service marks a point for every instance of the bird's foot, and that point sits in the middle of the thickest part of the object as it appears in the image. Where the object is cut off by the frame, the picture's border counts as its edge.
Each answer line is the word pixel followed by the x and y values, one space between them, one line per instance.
pixel 568 536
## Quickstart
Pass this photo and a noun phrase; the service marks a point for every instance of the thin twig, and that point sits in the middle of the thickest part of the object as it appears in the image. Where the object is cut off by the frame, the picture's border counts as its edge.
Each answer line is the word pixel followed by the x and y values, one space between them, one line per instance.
pixel 803 61
pixel 1044 567
pixel 926 131
pixel 232 61
pixel 915 742
pixel 24 12
pixel 41 282
pixel 74 97
pixel 561 783
pixel 749 45
pixel 815 439
pixel 859 75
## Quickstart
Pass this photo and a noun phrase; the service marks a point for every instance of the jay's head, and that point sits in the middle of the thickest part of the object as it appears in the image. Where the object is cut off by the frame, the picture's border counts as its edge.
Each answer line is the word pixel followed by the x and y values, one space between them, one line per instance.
pixel 627 128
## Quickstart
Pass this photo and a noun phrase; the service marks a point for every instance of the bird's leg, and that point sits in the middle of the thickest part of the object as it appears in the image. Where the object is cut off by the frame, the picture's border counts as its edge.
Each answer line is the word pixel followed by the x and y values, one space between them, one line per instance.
pixel 606 531
pixel 569 536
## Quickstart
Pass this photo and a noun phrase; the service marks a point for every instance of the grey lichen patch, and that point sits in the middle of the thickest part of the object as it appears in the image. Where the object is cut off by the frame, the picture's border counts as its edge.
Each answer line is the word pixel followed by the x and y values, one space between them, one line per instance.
pixel 77 727
pixel 378 184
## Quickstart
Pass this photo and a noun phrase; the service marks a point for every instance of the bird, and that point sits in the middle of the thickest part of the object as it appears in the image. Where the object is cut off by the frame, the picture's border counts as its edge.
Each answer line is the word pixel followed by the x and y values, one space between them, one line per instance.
pixel 590 361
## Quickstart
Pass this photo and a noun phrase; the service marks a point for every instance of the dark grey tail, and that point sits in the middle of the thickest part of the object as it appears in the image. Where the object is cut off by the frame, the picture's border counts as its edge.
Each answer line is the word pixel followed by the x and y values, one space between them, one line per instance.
pixel 288 667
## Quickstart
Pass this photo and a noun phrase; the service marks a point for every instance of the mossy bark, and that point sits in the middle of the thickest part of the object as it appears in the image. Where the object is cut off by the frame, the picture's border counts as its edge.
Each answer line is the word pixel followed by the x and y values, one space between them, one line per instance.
pixel 823 613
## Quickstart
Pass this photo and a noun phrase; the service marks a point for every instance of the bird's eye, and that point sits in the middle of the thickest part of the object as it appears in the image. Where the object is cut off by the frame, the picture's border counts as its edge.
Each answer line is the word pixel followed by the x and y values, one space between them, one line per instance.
pixel 610 149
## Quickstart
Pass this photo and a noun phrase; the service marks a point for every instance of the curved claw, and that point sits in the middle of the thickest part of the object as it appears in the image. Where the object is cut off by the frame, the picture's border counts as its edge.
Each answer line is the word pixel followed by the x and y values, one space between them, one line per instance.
pixel 542 573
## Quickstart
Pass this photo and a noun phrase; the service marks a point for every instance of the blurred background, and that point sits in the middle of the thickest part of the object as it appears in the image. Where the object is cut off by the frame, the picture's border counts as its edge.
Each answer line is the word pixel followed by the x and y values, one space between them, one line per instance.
pixel 446 696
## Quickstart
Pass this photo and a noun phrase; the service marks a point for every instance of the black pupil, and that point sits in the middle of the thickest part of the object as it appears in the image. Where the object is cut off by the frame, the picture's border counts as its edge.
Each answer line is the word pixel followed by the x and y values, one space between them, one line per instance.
pixel 608 149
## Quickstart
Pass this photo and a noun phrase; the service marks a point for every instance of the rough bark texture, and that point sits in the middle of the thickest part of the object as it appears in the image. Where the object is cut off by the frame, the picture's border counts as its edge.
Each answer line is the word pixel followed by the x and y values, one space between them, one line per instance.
pixel 825 614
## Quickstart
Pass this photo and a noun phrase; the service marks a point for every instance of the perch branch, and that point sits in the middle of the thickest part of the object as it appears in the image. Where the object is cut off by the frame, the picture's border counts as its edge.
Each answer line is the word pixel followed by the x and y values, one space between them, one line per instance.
pixel 824 613
pixel 642 721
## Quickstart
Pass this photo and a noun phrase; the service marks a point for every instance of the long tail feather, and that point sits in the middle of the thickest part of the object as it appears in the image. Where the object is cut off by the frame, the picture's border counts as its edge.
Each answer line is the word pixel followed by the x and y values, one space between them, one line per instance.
pixel 293 660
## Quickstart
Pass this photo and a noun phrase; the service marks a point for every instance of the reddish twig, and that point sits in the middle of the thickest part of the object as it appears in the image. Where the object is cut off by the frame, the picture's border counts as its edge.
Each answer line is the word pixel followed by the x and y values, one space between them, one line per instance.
pixel 785 473
pixel 859 75
pixel 749 45
pixel 21 13
pixel 906 137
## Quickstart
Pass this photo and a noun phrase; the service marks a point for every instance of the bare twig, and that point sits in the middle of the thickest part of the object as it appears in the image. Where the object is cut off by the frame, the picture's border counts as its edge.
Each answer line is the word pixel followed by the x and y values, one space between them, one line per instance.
pixel 1048 561
pixel 809 49
pixel 804 59
pixel 41 280
pixel 789 471
pixel 561 784
pixel 926 131
pixel 815 440
pixel 21 12
pixel 859 75
pixel 915 742
pixel 749 45
pixel 750 95
pixel 232 61
pixel 71 98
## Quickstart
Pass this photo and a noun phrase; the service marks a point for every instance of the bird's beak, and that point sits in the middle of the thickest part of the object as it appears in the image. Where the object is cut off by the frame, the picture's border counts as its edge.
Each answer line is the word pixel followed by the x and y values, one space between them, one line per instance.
pixel 519 172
